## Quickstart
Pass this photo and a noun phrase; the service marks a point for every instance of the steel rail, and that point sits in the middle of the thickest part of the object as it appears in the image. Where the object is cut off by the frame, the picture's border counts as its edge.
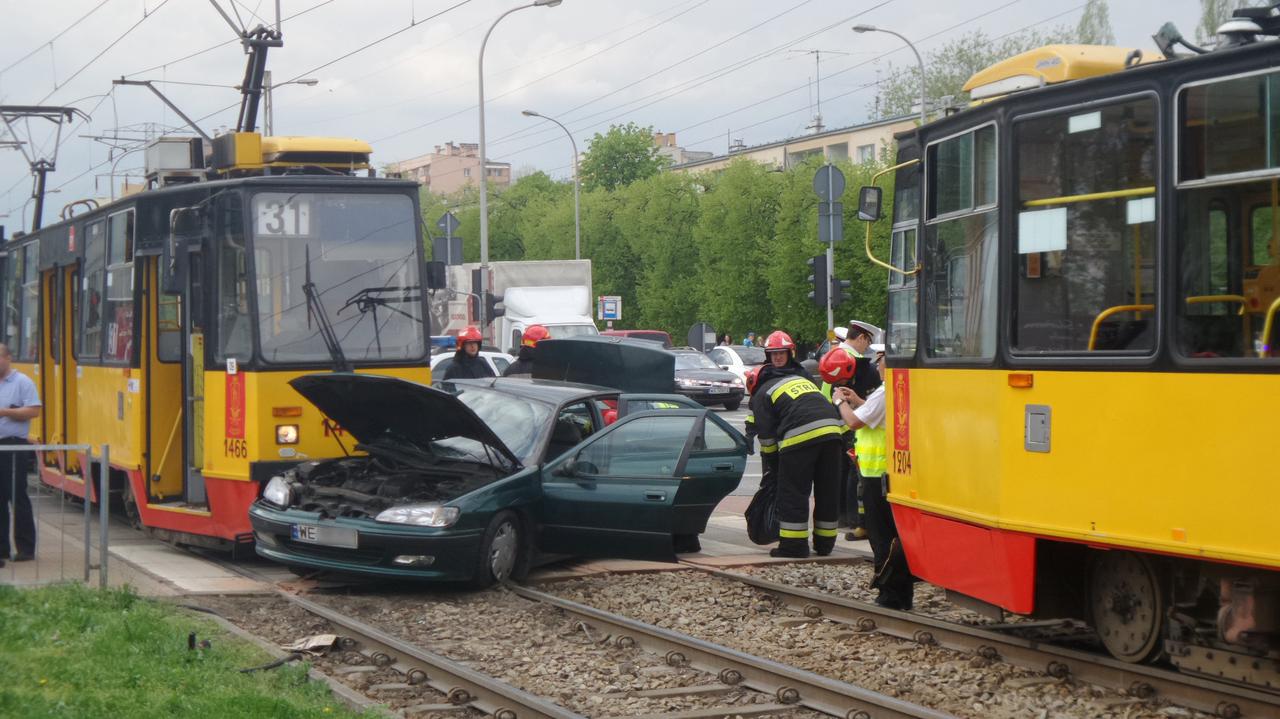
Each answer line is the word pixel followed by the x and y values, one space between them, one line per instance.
pixel 462 685
pixel 1228 701
pixel 788 684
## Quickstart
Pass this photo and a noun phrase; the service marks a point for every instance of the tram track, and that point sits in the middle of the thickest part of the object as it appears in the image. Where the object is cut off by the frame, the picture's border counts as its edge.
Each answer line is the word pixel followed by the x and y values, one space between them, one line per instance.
pixel 781 690
pixel 1227 701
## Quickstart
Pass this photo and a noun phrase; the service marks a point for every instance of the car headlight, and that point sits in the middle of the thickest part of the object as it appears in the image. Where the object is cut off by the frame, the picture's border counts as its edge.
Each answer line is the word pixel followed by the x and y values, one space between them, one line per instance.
pixel 688 383
pixel 278 492
pixel 431 514
pixel 735 382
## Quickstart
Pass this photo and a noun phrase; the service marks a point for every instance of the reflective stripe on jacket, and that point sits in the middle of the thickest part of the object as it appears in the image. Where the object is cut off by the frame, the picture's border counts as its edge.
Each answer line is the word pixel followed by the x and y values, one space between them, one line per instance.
pixel 790 411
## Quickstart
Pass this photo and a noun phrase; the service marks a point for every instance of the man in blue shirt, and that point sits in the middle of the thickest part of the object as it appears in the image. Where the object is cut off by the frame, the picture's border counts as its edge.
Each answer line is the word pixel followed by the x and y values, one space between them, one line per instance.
pixel 19 404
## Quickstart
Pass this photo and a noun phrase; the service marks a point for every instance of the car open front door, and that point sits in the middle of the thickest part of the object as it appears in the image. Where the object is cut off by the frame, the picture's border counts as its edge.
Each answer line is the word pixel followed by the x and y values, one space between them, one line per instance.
pixel 712 470
pixel 615 494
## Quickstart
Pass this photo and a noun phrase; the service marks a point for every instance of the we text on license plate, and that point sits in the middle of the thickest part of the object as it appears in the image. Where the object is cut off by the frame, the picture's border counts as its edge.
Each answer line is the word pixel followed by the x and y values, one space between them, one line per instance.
pixel 328 536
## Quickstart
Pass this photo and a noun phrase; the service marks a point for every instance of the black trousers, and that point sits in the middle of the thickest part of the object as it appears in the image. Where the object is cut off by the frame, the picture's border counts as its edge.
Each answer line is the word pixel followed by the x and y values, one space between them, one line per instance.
pixel 893 577
pixel 811 467
pixel 13 490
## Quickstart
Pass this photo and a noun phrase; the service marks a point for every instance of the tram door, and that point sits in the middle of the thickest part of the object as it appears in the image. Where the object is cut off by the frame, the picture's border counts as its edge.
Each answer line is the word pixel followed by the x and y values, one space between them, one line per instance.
pixel 66 368
pixel 193 334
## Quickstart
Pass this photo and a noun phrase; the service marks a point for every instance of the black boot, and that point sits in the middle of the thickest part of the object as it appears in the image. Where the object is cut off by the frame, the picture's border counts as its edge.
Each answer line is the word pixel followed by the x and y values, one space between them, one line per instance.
pixel 791 548
pixel 822 546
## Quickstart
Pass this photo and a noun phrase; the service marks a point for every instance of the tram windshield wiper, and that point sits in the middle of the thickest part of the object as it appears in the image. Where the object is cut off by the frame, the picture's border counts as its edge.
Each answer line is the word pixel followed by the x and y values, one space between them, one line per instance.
pixel 368 300
pixel 316 308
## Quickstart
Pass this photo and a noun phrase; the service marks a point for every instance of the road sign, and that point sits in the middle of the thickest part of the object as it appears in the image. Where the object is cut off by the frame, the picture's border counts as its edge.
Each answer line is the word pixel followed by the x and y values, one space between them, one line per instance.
pixel 448 223
pixel 702 336
pixel 830 222
pixel 828 182
pixel 608 307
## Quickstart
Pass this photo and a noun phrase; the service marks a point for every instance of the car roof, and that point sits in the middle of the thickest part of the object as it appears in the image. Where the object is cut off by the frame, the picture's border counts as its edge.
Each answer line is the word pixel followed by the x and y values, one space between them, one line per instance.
pixel 544 390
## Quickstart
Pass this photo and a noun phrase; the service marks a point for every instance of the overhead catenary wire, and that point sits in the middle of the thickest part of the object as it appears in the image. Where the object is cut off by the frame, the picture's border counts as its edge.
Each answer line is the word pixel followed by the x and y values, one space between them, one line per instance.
pixel 55 38
pixel 145 16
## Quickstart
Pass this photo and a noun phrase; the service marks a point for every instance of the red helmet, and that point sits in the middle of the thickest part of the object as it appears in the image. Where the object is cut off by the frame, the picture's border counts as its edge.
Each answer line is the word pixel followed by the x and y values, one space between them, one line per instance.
pixel 779 340
pixel 753 378
pixel 837 366
pixel 533 334
pixel 470 334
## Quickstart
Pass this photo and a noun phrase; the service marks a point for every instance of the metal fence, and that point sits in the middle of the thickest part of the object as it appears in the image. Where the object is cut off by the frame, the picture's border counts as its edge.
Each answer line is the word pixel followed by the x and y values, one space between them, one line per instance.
pixel 59 524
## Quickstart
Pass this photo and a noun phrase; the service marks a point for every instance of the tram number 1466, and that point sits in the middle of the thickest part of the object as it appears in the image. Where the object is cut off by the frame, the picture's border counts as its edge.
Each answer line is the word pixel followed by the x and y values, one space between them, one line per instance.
pixel 235 448
pixel 901 461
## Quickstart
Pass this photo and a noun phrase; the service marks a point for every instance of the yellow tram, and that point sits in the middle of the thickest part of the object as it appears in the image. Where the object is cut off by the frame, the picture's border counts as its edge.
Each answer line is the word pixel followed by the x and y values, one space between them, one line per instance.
pixel 167 324
pixel 1084 312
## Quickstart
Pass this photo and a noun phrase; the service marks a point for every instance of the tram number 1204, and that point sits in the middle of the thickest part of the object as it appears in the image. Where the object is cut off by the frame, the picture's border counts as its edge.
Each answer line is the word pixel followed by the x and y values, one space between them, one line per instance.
pixel 235 448
pixel 901 461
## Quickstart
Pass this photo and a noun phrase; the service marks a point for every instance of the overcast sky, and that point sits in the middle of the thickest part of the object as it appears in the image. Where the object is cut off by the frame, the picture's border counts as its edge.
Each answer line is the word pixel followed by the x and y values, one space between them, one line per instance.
pixel 705 69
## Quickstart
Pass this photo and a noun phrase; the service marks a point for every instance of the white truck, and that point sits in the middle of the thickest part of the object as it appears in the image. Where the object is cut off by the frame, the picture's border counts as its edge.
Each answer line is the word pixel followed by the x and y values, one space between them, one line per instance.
pixel 553 293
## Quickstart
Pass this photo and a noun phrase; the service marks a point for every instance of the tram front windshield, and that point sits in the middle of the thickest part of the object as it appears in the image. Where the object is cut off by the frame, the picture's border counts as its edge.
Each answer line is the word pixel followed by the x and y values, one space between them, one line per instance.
pixel 359 255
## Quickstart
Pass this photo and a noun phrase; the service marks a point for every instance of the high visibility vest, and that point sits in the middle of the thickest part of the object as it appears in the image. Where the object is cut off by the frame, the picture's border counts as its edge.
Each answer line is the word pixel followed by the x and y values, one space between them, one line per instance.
pixel 873 460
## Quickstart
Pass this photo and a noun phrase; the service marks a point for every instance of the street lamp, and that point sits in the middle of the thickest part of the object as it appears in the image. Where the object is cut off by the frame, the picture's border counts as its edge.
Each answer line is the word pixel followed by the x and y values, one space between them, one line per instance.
pixel 268 123
pixel 577 222
pixel 873 28
pixel 484 183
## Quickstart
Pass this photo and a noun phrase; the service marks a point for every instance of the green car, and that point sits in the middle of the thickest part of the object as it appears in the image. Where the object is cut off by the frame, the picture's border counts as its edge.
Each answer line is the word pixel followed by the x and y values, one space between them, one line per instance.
pixel 478 480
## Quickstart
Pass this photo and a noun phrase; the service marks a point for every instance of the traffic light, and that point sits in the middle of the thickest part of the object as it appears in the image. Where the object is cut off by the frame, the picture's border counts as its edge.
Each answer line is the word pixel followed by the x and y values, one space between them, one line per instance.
pixel 818 278
pixel 838 291
pixel 493 307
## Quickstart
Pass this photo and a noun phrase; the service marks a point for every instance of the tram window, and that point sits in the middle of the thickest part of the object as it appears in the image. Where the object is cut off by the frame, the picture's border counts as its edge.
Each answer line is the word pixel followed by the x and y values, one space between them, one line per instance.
pixel 118 307
pixel 89 341
pixel 30 323
pixel 234 322
pixel 1085 249
pixel 964 172
pixel 1230 126
pixel 960 295
pixel 13 301
pixel 901 334
pixel 1262 223
pixel 1227 272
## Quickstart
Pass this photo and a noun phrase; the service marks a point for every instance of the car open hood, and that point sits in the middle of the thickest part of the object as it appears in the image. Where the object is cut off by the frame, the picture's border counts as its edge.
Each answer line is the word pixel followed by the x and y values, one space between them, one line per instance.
pixel 370 406
pixel 626 364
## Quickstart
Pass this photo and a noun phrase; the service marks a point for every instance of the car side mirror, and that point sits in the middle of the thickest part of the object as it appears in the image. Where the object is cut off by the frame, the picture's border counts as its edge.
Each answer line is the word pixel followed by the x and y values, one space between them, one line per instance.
pixel 568 469
pixel 869 203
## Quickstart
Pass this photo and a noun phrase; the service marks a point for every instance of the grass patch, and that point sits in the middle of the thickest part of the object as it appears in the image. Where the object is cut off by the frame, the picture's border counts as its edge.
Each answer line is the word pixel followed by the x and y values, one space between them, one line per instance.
pixel 68 651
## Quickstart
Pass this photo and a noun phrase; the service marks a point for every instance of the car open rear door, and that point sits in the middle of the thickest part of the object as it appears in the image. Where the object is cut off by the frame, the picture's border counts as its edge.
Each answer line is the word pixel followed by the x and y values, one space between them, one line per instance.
pixel 615 494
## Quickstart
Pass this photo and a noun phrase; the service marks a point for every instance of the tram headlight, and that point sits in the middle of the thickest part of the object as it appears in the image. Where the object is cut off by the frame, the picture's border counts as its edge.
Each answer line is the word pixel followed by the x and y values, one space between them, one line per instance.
pixel 278 492
pixel 430 514
pixel 286 434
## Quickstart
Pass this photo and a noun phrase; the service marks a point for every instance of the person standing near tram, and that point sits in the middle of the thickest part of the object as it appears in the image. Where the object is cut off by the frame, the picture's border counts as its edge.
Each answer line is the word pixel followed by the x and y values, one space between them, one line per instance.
pixel 19 404
pixel 867 418
pixel 793 419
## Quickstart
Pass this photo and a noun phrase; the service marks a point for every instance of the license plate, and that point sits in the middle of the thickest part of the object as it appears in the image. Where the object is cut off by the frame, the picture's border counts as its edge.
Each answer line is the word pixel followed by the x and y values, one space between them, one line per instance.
pixel 329 536
pixel 718 390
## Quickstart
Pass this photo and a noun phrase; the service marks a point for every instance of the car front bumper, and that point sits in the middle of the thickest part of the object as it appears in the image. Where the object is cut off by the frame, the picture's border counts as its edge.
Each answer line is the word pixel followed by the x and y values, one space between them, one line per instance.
pixel 453 552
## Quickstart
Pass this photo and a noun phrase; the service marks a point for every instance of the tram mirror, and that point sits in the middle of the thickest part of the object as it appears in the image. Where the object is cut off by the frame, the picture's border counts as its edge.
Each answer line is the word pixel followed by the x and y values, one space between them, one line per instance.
pixel 184 228
pixel 436 275
pixel 869 203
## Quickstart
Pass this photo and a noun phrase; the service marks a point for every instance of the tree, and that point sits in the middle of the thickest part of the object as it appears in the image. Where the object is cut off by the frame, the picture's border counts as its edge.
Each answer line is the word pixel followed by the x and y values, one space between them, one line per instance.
pixel 621 156
pixel 951 66
pixel 1215 12
pixel 656 218
pixel 1094 27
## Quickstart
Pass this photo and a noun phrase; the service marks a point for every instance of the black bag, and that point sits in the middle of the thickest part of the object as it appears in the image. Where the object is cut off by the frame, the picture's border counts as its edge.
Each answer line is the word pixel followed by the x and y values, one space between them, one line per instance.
pixel 762 513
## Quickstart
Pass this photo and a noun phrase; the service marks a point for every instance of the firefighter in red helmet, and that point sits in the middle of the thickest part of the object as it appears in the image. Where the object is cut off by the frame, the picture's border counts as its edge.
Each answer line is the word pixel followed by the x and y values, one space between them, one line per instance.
pixel 467 362
pixel 794 421
pixel 533 334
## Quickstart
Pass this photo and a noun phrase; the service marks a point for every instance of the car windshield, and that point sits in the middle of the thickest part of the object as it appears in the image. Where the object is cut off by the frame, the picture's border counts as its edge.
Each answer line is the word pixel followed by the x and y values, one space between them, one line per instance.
pixel 559 332
pixel 517 421
pixel 694 360
pixel 359 253
pixel 750 355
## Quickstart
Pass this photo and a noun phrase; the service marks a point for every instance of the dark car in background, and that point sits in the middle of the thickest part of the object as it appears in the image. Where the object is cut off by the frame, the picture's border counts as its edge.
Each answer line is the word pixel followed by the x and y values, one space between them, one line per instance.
pixel 474 480
pixel 699 378
pixel 651 335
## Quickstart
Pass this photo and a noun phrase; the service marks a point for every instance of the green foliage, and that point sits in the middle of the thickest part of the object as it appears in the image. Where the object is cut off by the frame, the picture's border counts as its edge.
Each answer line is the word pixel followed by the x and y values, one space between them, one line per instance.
pixel 619 157
pixel 68 651
pixel 656 218
pixel 950 67
pixel 1094 27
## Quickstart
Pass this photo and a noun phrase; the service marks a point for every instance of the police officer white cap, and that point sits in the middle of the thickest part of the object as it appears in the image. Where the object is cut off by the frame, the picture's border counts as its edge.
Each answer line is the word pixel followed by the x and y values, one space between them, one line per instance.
pixel 877 335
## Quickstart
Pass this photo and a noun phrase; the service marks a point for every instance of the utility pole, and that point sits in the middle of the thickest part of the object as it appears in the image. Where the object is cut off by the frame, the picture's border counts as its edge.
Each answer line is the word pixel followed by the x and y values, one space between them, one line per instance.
pixel 40 166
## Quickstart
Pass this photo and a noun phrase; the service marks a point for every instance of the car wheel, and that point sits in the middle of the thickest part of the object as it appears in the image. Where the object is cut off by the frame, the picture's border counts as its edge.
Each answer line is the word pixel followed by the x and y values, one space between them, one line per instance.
pixel 731 406
pixel 502 552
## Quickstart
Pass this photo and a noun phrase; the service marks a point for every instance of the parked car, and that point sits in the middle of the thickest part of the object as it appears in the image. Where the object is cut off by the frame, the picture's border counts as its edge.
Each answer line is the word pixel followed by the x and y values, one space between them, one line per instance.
pixel 699 378
pixel 810 363
pixel 474 480
pixel 737 358
pixel 498 361
pixel 651 335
